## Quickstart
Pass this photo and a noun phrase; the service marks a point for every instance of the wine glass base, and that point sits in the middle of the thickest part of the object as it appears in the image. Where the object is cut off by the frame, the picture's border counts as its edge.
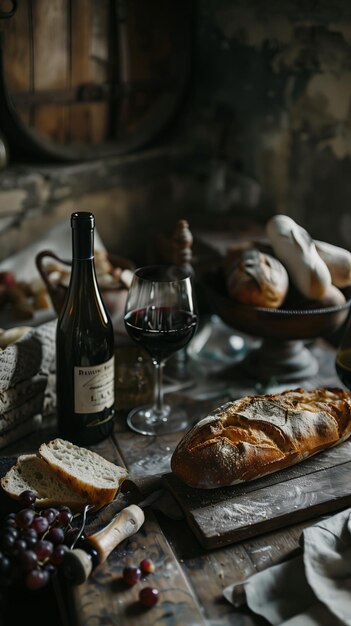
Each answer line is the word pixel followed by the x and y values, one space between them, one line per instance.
pixel 145 421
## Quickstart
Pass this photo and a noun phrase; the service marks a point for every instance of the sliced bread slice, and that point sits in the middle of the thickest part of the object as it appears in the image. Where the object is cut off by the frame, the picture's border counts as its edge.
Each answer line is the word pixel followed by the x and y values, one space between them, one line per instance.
pixel 92 476
pixel 32 472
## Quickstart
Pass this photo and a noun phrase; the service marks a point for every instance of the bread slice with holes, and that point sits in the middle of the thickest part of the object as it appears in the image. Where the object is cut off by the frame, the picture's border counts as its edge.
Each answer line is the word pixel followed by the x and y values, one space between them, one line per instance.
pixel 93 477
pixel 260 434
pixel 33 473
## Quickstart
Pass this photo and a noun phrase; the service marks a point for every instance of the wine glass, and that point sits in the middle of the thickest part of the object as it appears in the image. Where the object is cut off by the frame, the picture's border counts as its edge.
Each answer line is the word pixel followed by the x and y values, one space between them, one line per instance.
pixel 161 316
pixel 343 355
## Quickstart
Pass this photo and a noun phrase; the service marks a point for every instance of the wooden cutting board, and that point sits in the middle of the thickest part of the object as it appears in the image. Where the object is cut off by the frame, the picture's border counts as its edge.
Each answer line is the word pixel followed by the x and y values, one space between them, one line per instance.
pixel 219 517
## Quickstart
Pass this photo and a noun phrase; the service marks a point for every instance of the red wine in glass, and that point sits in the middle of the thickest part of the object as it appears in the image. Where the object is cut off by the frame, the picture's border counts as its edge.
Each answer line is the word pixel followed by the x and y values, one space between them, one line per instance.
pixel 161 316
pixel 161 331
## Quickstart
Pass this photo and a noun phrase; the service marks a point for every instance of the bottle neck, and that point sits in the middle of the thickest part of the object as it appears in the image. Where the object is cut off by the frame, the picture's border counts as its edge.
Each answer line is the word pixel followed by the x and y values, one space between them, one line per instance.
pixel 82 244
pixel 83 276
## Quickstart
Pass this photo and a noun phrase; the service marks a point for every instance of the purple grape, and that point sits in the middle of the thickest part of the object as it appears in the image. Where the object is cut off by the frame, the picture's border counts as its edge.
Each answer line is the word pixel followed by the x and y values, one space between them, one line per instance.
pixel 27 498
pixel 64 517
pixel 50 514
pixel 149 596
pixel 10 521
pixel 19 546
pixel 56 535
pixel 7 541
pixel 28 559
pixel 37 578
pixel 58 554
pixel 43 549
pixel 24 518
pixel 4 564
pixel 12 531
pixel 30 535
pixel 131 575
pixel 40 524
pixel 147 566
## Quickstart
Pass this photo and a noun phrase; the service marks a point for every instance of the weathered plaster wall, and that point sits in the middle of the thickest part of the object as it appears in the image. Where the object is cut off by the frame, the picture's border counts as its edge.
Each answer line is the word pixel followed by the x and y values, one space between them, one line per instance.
pixel 132 197
pixel 273 102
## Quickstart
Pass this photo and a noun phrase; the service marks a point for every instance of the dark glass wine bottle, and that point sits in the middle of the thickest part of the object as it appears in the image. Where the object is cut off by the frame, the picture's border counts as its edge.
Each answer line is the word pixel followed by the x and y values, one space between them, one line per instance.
pixel 84 347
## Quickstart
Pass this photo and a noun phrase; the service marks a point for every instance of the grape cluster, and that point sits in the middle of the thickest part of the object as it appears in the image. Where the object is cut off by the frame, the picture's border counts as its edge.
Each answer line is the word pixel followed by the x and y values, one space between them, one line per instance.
pixel 33 543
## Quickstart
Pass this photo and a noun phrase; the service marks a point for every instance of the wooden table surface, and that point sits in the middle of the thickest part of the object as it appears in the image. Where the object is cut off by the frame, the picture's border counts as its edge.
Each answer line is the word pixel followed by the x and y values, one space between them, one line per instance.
pixel 189 577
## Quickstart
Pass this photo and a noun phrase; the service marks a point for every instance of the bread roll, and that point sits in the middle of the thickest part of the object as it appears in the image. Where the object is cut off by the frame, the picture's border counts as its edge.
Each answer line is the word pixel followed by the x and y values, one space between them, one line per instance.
pixel 258 435
pixel 338 261
pixel 295 248
pixel 259 279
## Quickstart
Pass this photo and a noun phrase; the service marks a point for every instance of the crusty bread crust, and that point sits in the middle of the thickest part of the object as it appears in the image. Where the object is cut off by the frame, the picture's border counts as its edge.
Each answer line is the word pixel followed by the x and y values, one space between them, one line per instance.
pixel 258 435
pixel 92 476
pixel 31 472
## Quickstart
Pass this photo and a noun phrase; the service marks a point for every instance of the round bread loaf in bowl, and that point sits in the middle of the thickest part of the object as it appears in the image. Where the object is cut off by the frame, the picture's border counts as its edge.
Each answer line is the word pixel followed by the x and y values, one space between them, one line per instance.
pixel 258 279
pixel 283 329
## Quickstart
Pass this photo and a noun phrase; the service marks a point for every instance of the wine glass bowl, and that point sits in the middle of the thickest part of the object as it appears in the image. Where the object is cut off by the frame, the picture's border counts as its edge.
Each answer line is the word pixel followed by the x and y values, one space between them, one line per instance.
pixel 343 356
pixel 283 354
pixel 161 317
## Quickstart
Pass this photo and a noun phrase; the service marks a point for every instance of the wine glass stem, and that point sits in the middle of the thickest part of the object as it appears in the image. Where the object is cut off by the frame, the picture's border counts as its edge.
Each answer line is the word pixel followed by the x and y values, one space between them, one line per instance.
pixel 158 393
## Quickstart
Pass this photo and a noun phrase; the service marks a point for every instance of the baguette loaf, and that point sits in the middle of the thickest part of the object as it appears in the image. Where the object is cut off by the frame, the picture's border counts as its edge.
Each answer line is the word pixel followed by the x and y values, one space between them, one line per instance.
pixel 87 473
pixel 295 248
pixel 258 435
pixel 338 261
pixel 31 472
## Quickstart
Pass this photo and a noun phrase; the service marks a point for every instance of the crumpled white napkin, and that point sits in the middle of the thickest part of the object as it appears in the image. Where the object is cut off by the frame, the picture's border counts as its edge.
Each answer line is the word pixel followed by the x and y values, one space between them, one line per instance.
pixel 311 589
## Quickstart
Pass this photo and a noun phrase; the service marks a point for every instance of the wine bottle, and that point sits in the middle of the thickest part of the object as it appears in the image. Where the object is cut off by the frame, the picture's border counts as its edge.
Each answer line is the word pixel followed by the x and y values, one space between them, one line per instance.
pixel 84 347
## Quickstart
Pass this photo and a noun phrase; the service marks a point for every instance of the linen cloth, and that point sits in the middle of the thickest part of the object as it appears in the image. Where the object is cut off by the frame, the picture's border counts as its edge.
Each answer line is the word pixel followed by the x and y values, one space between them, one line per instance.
pixel 311 589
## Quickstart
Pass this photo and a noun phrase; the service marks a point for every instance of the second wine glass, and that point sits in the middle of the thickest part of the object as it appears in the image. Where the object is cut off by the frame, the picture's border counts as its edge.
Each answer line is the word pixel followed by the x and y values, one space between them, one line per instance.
pixel 343 355
pixel 161 316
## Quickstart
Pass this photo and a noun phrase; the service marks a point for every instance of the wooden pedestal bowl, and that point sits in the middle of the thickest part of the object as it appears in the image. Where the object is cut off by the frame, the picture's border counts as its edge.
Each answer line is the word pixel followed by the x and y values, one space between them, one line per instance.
pixel 283 354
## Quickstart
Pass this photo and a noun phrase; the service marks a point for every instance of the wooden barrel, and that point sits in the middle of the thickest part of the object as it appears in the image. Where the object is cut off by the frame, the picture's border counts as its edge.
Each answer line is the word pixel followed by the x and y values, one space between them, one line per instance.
pixel 82 79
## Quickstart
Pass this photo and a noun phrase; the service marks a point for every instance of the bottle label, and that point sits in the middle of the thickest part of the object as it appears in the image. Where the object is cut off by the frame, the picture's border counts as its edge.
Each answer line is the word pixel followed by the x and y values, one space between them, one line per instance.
pixel 94 387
